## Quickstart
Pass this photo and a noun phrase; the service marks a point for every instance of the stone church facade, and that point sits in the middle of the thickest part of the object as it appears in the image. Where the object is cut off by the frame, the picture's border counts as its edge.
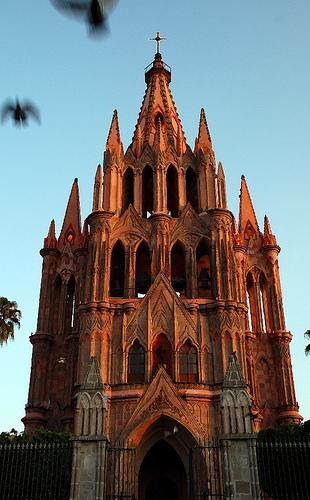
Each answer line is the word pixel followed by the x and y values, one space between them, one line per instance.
pixel 142 307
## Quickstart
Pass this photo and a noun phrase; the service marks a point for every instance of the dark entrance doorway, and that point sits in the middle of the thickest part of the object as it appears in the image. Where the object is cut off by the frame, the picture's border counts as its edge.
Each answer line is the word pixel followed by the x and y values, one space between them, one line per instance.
pixel 162 475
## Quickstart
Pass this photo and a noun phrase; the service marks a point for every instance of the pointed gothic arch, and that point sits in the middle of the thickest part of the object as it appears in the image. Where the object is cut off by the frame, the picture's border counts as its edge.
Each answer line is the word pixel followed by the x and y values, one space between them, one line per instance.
pixel 83 415
pixel 172 187
pixel 178 268
pixel 162 473
pixel 136 363
pixel 128 189
pixel 191 188
pixel 203 267
pixel 147 191
pixel 257 298
pixel 162 354
pixel 188 362
pixel 143 269
pixel 117 270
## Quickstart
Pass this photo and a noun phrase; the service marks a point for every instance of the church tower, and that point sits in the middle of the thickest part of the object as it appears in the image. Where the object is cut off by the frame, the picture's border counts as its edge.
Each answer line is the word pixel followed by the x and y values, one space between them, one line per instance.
pixel 141 309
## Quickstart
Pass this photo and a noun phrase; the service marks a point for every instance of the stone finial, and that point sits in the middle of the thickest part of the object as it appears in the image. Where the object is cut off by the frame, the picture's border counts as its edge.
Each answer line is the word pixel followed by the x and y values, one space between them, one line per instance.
pixel 269 238
pixel 98 187
pixel 233 376
pixel 50 241
pixel 203 141
pixel 221 186
pixel 93 380
pixel 114 143
pixel 246 209
pixel 71 227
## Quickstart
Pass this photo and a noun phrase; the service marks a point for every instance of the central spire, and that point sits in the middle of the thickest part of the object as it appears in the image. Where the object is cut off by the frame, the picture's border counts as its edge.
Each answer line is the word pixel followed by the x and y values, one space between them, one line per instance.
pixel 158 117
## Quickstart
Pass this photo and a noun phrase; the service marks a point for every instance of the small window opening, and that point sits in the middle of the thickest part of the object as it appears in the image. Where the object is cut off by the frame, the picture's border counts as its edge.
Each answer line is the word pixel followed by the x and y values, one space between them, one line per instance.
pixel 178 271
pixel 70 238
pixel 147 191
pixel 143 269
pixel 172 191
pixel 162 354
pixel 70 301
pixel 192 188
pixel 117 271
pixel 128 189
pixel 158 117
pixel 203 270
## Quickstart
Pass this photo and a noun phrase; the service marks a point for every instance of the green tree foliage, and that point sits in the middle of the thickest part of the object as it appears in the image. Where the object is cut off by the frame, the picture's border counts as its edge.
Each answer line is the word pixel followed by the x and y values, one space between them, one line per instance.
pixel 40 436
pixel 307 336
pixel 35 467
pixel 10 317
pixel 286 432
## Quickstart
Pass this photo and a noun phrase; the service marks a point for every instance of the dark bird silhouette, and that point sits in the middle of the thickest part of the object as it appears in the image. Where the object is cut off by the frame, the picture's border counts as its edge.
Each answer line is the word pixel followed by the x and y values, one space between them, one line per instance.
pixel 19 112
pixel 94 11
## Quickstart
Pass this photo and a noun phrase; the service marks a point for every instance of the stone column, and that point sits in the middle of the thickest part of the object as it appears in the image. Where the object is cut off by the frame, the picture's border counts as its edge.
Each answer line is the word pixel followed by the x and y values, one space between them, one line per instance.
pixel 88 470
pixel 89 443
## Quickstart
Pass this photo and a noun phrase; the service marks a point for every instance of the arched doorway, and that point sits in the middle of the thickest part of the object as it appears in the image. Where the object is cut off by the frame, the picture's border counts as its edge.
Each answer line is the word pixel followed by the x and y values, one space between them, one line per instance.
pixel 162 475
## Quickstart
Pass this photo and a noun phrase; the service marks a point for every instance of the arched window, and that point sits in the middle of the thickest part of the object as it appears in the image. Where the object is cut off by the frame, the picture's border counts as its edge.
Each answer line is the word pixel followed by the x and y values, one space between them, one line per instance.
pixel 143 269
pixel 188 363
pixel 117 271
pixel 136 363
pixel 128 189
pixel 172 191
pixel 191 188
pixel 162 354
pixel 147 191
pixel 70 303
pixel 203 270
pixel 178 269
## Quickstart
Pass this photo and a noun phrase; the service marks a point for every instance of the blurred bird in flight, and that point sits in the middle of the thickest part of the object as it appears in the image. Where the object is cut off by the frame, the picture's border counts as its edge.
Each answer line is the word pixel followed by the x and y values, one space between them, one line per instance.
pixel 94 11
pixel 19 112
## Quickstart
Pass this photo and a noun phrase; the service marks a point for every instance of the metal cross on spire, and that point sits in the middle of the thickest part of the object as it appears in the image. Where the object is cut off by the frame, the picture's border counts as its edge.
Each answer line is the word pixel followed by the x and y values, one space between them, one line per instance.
pixel 158 39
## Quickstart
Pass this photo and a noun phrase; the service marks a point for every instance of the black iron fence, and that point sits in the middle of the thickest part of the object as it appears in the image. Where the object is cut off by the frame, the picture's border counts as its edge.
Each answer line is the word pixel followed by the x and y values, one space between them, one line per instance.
pixel 284 469
pixel 120 474
pixel 35 471
pixel 206 472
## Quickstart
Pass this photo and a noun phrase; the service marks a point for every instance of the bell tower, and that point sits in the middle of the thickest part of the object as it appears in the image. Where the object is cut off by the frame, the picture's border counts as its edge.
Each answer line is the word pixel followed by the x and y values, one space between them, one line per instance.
pixel 146 304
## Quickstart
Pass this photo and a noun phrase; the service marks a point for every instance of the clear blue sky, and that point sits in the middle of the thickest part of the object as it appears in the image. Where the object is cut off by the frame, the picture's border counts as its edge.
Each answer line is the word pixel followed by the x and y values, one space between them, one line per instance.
pixel 245 61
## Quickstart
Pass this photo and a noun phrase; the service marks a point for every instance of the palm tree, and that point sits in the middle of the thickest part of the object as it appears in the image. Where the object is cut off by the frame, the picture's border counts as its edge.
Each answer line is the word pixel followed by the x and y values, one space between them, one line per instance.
pixel 9 319
pixel 307 348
